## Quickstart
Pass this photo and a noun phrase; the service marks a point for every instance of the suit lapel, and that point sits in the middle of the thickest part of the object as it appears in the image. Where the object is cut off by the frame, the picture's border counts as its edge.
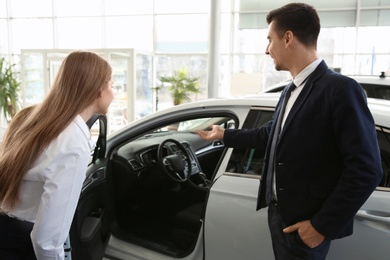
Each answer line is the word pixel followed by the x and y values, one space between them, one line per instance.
pixel 322 67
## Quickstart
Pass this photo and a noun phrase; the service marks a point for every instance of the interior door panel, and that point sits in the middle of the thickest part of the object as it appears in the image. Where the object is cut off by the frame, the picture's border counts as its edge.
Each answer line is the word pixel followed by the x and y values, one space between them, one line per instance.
pixel 90 230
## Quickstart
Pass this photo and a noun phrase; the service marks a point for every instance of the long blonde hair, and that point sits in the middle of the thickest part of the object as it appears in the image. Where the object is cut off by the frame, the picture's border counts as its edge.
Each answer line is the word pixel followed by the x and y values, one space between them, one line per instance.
pixel 79 82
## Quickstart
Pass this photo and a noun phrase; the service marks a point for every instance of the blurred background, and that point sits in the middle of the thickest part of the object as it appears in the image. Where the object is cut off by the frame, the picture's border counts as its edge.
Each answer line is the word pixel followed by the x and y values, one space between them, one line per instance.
pixel 219 43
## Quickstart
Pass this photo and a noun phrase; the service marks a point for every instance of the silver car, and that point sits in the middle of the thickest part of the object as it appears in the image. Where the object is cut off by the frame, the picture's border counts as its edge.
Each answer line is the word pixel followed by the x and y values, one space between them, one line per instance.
pixel 156 190
pixel 373 86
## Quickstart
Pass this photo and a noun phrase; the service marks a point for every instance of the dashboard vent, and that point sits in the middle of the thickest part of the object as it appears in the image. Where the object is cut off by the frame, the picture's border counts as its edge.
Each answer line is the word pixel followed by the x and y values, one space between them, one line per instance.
pixel 136 165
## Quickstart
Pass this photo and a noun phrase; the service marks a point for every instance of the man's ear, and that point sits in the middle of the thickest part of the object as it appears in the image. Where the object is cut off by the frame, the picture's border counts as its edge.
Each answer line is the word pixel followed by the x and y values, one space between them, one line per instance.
pixel 288 37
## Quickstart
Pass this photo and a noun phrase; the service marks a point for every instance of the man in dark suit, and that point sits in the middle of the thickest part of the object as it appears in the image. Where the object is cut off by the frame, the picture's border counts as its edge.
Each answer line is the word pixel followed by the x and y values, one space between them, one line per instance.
pixel 322 158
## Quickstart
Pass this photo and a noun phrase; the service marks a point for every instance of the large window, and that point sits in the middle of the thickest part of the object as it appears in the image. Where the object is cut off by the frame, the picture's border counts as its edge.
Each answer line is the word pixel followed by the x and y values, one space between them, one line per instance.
pixel 177 33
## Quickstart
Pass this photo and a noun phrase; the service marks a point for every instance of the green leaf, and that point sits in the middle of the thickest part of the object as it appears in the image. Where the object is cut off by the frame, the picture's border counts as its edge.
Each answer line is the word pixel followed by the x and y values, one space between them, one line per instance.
pixel 180 86
pixel 9 89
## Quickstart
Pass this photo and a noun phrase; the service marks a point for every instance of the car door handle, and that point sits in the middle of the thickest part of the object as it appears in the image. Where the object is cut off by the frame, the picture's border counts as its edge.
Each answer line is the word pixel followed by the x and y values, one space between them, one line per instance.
pixel 95 177
pixel 377 216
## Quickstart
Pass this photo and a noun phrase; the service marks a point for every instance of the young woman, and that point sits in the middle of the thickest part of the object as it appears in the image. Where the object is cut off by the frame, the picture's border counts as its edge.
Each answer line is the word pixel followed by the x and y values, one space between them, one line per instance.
pixel 44 157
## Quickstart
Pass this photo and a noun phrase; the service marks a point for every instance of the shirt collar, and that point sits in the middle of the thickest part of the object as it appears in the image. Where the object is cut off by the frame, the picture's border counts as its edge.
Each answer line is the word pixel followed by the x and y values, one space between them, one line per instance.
pixel 304 74
pixel 84 128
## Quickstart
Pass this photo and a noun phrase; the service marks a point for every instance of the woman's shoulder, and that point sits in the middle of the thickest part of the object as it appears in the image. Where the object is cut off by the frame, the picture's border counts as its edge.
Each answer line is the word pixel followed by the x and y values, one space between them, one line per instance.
pixel 75 136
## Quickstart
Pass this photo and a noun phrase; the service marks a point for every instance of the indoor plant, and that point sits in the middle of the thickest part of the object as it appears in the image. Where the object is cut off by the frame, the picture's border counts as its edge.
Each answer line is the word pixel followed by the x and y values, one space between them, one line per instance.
pixel 180 86
pixel 9 88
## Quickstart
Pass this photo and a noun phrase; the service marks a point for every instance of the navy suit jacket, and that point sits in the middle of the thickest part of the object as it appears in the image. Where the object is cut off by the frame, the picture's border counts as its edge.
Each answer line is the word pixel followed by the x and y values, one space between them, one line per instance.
pixel 327 158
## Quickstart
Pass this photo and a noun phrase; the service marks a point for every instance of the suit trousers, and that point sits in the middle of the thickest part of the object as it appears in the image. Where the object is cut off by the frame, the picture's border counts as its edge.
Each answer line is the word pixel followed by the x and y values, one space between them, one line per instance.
pixel 15 241
pixel 290 246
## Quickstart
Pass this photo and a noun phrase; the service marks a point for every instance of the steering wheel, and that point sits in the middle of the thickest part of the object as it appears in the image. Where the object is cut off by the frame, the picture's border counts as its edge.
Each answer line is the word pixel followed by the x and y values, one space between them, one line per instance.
pixel 177 164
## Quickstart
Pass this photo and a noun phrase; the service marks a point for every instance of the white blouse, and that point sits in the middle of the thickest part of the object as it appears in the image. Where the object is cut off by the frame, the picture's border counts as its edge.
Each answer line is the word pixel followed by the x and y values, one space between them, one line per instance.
pixel 51 188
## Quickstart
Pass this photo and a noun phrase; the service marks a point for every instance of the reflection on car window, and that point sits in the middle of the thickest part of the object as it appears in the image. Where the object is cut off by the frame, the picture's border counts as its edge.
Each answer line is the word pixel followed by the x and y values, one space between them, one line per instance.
pixel 376 90
pixel 384 145
pixel 383 93
pixel 249 161
pixel 192 124
pixel 198 123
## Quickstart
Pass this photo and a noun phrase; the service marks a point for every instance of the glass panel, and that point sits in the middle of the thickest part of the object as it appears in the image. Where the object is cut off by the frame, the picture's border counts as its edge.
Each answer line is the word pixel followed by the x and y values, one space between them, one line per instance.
pixel 3 8
pixel 256 69
pixel 134 36
pixel 371 3
pixel 4 36
pixel 144 81
pixel 182 33
pixel 78 8
pixel 383 92
pixel 245 64
pixel 125 7
pixel 250 161
pixel 252 21
pixel 334 4
pixel 118 109
pixel 182 6
pixel 339 18
pixel 368 17
pixel 384 144
pixel 225 33
pixel 250 41
pixel 250 5
pixel 54 61
pixel 167 65
pixel 226 6
pixel 28 8
pixel 224 89
pixel 33 79
pixel 370 39
pixel 197 124
pixel 345 62
pixel 32 34
pixel 76 33
pixel 372 64
pixel 337 40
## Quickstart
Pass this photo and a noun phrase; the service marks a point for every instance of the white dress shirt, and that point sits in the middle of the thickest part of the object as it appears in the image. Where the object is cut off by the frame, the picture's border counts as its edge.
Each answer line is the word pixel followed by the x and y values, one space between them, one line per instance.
pixel 299 81
pixel 51 188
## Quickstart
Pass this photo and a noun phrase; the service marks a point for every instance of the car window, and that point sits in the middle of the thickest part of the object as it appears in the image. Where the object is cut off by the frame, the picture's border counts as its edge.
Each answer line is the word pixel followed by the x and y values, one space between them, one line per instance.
pixel 383 92
pixel 250 161
pixel 198 123
pixel 376 90
pixel 384 145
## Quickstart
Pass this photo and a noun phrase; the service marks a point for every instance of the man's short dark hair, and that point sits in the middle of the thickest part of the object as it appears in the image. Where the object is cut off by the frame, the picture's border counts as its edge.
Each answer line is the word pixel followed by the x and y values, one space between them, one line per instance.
pixel 302 19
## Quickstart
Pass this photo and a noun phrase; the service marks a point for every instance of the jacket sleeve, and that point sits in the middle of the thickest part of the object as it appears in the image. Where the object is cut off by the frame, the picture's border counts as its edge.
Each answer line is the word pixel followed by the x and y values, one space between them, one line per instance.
pixel 256 138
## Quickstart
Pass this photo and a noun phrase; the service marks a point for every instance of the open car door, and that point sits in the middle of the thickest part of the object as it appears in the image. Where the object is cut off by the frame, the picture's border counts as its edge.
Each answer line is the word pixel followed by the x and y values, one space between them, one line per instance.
pixel 90 230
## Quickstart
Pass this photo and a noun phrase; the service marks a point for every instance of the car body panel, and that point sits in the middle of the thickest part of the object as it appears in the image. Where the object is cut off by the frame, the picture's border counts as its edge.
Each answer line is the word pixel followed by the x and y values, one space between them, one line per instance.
pixel 373 86
pixel 234 229
pixel 127 251
pixel 371 231
pixel 231 227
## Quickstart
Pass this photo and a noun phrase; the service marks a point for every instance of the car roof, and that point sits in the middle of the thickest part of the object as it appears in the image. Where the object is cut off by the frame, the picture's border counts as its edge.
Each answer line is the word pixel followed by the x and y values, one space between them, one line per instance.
pixel 361 79
pixel 378 106
pixel 380 109
pixel 371 79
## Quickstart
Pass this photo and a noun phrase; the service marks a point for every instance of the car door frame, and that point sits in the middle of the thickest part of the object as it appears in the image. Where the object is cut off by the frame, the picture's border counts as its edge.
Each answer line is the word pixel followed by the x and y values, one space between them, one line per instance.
pixel 90 230
pixel 233 227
